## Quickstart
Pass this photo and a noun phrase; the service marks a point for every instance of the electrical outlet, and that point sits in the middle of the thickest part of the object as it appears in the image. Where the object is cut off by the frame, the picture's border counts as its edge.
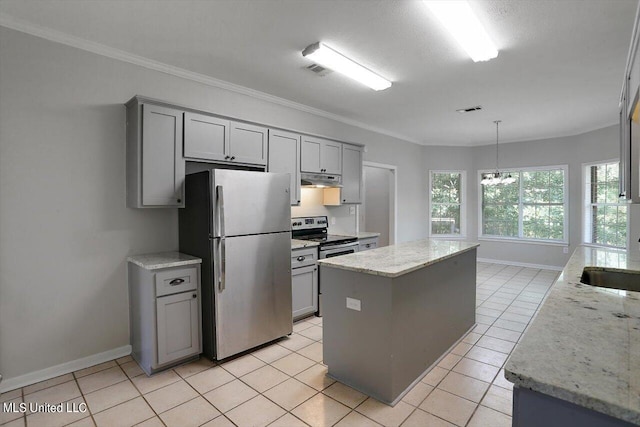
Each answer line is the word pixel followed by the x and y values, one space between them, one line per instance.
pixel 333 220
pixel 353 304
pixel 565 250
pixel 352 210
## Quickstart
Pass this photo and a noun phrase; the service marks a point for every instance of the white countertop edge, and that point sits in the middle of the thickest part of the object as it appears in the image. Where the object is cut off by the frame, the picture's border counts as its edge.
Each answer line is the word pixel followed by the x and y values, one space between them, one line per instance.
pixel 156 261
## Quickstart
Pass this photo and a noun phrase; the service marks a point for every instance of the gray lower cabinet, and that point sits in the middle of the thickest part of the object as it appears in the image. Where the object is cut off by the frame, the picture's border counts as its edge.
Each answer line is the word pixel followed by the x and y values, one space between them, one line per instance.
pixel 284 157
pixel 367 244
pixel 155 165
pixel 304 282
pixel 165 316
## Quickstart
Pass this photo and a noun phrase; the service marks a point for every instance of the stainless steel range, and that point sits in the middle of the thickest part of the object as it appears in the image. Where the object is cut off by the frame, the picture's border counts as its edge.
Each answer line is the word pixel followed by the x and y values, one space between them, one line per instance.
pixel 314 228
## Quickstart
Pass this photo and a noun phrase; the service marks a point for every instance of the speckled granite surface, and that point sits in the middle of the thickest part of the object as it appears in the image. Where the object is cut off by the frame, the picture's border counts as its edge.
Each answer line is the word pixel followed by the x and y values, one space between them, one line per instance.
pixel 366 234
pixel 163 260
pixel 583 346
pixel 299 244
pixel 396 260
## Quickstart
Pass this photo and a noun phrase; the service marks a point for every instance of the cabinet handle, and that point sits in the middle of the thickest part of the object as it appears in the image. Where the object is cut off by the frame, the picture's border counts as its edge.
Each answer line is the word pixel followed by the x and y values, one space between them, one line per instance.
pixel 195 295
pixel 176 282
pixel 227 157
pixel 179 200
pixel 301 258
pixel 344 200
pixel 233 157
pixel 368 245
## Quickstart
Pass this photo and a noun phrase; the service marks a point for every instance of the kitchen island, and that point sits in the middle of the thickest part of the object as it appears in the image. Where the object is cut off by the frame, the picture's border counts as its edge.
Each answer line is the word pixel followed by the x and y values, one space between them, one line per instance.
pixel 391 313
pixel 578 362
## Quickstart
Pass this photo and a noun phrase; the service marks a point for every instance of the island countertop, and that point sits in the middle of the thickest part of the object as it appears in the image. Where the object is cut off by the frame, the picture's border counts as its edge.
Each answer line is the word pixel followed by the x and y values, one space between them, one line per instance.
pixel 583 346
pixel 403 258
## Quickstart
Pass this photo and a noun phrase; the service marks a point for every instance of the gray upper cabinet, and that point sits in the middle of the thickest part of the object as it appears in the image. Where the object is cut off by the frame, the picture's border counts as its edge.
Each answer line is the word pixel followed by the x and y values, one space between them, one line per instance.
pixel 221 140
pixel 155 165
pixel 284 157
pixel 248 144
pixel 321 155
pixel 206 137
pixel 351 173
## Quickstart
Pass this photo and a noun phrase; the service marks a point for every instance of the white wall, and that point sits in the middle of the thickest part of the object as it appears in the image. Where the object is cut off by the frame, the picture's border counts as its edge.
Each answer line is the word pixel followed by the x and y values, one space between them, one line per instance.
pixel 65 231
pixel 598 145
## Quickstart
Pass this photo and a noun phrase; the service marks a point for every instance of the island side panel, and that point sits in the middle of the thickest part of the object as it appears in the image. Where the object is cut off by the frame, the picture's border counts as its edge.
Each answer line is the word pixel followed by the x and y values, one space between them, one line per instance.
pixel 432 309
pixel 356 344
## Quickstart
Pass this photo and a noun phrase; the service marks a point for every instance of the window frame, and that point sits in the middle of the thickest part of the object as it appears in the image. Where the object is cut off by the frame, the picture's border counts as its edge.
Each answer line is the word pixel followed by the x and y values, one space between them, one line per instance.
pixel 586 206
pixel 520 239
pixel 463 204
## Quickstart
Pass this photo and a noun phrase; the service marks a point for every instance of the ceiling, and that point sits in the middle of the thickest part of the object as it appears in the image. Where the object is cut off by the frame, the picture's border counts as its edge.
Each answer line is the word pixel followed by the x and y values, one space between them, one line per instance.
pixel 559 71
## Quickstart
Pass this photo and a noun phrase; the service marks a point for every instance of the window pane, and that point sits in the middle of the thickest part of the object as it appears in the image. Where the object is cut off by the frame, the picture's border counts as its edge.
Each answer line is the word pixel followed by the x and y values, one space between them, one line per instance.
pixel 540 198
pixel 607 217
pixel 446 200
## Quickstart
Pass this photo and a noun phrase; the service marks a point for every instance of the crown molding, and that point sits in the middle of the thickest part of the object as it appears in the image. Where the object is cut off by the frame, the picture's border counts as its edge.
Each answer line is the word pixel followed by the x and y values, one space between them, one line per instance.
pixel 13 23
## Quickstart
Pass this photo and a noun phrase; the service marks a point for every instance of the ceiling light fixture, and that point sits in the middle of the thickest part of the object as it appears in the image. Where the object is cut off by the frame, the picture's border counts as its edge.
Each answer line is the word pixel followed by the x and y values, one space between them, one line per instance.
pixel 497 177
pixel 459 19
pixel 330 58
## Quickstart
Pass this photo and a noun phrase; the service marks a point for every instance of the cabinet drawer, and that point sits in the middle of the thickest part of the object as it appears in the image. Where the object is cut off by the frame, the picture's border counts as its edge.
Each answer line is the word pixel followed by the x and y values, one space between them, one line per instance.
pixel 176 280
pixel 304 257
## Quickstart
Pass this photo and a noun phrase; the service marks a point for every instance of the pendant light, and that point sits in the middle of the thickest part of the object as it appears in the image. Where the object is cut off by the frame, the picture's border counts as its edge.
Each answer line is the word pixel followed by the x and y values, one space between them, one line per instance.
pixel 497 177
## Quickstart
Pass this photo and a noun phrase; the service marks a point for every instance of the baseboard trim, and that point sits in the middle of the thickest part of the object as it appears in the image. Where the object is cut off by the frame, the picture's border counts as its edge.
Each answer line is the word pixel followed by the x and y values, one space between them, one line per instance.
pixel 521 264
pixel 64 368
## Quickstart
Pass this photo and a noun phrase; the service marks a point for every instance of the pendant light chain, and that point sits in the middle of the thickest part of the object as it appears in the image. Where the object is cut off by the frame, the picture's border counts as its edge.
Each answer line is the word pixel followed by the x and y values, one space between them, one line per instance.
pixel 497 123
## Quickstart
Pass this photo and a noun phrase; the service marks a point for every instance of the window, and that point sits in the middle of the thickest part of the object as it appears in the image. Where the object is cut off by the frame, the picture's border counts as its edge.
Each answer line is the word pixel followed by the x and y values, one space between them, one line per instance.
pixel 605 219
pixel 533 207
pixel 447 214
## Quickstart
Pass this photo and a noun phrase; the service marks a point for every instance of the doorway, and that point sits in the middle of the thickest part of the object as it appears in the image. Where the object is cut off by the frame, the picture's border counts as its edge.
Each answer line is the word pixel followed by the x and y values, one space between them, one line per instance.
pixel 378 211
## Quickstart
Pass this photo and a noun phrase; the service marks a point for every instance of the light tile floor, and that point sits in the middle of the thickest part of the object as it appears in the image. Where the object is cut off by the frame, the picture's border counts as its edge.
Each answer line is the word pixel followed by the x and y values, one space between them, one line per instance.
pixel 285 384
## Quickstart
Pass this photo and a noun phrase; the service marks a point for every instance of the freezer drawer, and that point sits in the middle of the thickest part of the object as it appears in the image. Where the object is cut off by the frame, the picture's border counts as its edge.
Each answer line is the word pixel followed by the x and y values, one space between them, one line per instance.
pixel 252 282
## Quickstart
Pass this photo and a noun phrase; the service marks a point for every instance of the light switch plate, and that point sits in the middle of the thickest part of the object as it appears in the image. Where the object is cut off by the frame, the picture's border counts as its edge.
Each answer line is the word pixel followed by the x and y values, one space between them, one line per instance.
pixel 354 304
pixel 565 250
pixel 333 220
pixel 352 210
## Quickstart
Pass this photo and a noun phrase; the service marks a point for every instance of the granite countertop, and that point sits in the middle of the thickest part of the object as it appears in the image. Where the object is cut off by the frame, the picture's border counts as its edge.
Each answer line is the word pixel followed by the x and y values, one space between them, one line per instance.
pixel 583 346
pixel 396 260
pixel 163 260
pixel 299 244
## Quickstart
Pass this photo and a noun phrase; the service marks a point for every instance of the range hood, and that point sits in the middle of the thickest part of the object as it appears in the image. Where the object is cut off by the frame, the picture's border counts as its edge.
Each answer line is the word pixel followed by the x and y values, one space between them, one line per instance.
pixel 320 180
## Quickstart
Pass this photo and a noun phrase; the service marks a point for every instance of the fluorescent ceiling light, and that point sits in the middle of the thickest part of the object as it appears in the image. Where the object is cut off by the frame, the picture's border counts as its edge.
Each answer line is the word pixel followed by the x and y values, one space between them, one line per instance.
pixel 464 26
pixel 327 57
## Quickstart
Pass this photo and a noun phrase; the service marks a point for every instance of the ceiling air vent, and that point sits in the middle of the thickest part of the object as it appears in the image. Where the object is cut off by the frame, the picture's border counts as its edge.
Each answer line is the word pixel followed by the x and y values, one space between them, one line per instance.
pixel 319 70
pixel 470 109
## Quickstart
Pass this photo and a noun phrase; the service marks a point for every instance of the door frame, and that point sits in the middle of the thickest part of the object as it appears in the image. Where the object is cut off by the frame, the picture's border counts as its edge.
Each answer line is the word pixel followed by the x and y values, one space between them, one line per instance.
pixel 393 199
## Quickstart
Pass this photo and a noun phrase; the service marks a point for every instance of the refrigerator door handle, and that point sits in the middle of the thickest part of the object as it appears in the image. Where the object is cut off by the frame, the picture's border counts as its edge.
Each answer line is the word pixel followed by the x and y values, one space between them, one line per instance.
pixel 223 262
pixel 220 207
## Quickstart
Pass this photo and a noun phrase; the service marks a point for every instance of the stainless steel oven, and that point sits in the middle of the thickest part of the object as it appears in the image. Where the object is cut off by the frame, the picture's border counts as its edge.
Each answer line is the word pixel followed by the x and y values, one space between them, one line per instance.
pixel 337 250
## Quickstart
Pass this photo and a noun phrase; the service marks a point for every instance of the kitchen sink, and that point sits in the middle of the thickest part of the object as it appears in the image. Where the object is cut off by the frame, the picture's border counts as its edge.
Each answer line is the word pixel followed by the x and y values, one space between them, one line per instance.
pixel 626 280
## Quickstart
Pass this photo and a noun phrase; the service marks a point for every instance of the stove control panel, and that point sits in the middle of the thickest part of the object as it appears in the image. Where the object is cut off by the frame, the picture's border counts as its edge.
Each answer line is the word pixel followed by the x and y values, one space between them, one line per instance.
pixel 305 223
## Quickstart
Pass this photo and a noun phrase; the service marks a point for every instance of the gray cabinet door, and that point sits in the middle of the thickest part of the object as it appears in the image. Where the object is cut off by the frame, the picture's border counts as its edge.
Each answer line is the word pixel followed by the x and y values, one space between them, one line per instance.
pixel 311 148
pixel 162 162
pixel 206 137
pixel 331 157
pixel 178 326
pixel 351 174
pixel 248 143
pixel 284 157
pixel 304 291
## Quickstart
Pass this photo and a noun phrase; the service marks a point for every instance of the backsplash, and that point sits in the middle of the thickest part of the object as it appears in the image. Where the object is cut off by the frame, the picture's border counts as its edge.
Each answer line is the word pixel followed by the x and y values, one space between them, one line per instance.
pixel 311 205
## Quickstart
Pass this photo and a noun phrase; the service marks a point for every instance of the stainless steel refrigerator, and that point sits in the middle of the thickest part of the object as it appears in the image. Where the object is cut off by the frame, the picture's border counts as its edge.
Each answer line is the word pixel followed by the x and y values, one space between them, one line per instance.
pixel 239 223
